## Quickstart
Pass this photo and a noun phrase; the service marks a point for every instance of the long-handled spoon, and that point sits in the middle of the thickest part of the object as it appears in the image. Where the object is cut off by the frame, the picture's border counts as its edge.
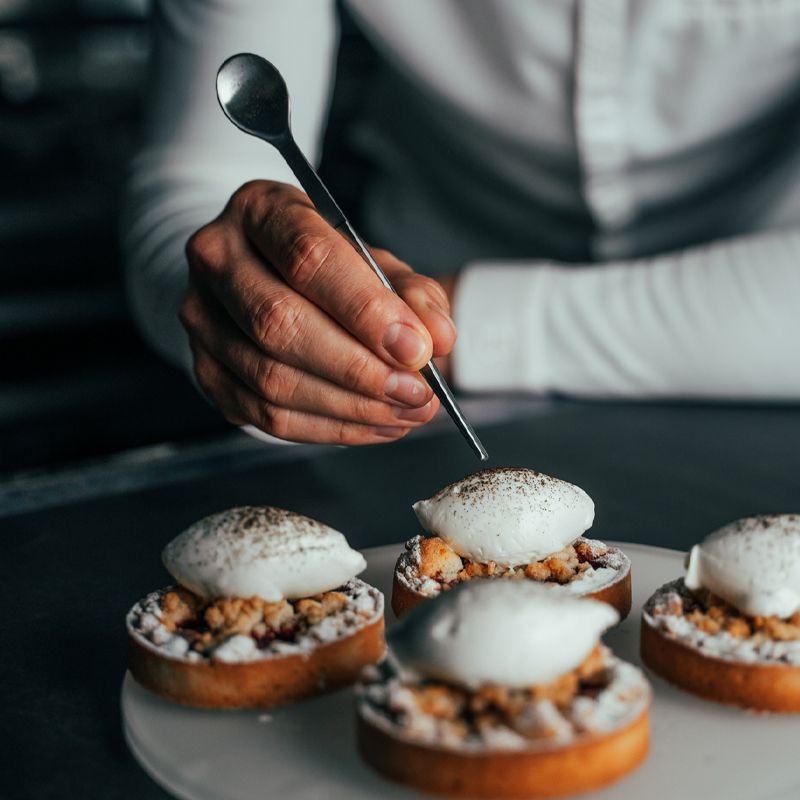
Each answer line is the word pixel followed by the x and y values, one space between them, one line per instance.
pixel 254 97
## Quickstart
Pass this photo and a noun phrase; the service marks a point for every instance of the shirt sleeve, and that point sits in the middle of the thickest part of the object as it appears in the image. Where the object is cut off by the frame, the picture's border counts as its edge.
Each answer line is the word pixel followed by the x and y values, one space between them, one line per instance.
pixel 719 321
pixel 193 158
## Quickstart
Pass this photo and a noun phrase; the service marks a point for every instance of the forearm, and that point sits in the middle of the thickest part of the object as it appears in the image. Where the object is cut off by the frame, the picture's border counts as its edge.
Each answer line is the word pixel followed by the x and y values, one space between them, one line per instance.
pixel 192 158
pixel 718 321
pixel 162 210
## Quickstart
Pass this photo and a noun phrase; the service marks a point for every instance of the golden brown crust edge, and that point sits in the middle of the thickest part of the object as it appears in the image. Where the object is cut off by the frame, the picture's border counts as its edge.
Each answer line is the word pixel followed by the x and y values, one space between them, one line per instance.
pixel 617 594
pixel 265 683
pixel 580 767
pixel 760 687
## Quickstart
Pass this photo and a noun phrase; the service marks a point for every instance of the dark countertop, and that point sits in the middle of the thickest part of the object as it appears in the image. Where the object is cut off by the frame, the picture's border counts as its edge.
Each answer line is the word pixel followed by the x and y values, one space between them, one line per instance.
pixel 662 475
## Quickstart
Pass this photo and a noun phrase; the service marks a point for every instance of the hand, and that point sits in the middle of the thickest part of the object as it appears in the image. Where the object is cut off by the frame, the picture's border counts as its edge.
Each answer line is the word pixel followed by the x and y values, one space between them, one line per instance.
pixel 291 330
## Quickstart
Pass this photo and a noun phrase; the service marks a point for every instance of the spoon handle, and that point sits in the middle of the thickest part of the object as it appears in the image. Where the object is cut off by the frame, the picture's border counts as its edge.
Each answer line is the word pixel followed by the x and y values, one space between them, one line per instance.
pixel 310 181
pixel 329 210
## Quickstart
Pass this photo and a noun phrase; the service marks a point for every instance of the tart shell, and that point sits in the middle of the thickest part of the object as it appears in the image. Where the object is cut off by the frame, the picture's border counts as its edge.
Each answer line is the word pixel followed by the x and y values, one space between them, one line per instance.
pixel 760 687
pixel 616 594
pixel 263 683
pixel 549 772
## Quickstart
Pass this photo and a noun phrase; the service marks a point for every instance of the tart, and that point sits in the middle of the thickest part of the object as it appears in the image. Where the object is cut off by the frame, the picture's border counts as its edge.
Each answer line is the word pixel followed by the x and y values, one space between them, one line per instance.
pixel 729 631
pixel 698 642
pixel 587 567
pixel 575 731
pixel 238 629
pixel 512 524
pixel 246 653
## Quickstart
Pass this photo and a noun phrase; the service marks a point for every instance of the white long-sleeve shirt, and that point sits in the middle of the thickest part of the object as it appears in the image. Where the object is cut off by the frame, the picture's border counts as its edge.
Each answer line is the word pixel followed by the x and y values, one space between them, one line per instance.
pixel 619 179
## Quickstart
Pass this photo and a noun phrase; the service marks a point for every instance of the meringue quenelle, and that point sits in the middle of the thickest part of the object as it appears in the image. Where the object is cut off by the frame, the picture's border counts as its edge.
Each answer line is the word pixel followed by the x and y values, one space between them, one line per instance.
pixel 753 563
pixel 263 551
pixel 505 633
pixel 509 516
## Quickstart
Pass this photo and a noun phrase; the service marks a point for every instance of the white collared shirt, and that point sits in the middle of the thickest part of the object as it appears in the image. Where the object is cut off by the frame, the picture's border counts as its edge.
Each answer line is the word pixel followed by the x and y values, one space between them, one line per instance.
pixel 619 179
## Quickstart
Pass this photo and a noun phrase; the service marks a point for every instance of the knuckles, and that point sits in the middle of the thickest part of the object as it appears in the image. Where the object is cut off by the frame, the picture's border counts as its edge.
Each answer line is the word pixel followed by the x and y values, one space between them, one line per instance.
pixel 186 314
pixel 371 309
pixel 274 420
pixel 206 249
pixel 347 434
pixel 211 383
pixel 252 200
pixel 276 322
pixel 191 313
pixel 363 409
pixel 256 202
pixel 205 374
pixel 360 376
pixel 307 256
pixel 261 195
pixel 266 379
pixel 252 204
pixel 274 381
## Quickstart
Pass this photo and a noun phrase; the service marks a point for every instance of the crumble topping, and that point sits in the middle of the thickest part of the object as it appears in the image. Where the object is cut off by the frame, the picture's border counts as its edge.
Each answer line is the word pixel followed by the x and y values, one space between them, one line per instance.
pixel 429 565
pixel 706 622
pixel 601 695
pixel 182 625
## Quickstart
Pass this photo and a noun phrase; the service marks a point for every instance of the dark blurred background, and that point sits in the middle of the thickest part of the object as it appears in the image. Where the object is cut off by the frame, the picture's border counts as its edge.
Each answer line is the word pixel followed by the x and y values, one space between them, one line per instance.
pixel 76 379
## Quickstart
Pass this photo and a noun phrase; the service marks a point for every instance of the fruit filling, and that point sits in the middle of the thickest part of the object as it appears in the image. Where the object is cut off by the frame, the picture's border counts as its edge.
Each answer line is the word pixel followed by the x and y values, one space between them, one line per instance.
pixel 429 564
pixel 239 628
pixel 701 619
pixel 600 694
pixel 205 624
pixel 711 614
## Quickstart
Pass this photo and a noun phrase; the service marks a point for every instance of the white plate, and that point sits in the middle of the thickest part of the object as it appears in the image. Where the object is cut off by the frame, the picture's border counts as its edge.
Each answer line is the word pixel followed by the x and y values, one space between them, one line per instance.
pixel 700 750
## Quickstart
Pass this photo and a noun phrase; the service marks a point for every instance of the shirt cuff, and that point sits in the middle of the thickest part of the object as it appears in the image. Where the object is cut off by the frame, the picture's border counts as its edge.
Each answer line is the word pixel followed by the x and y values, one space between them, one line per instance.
pixel 497 311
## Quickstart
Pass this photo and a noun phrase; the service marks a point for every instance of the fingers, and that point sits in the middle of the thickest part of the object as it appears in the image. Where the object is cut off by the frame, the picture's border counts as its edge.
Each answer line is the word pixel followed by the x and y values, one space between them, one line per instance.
pixel 433 316
pixel 292 331
pixel 320 264
pixel 425 296
pixel 286 326
pixel 281 384
pixel 241 405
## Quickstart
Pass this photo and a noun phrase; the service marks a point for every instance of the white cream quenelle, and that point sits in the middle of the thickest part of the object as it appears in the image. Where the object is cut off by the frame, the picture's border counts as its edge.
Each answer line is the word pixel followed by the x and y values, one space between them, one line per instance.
pixel 753 563
pixel 263 551
pixel 506 633
pixel 509 516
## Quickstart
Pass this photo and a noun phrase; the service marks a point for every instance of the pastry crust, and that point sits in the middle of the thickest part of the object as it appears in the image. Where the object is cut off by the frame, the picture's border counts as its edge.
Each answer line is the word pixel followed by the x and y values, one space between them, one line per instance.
pixel 757 686
pixel 263 683
pixel 616 594
pixel 545 772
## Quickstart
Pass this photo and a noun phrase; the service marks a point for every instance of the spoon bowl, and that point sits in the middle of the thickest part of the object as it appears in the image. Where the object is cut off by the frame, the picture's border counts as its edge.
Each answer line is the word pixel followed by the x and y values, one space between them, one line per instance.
pixel 254 97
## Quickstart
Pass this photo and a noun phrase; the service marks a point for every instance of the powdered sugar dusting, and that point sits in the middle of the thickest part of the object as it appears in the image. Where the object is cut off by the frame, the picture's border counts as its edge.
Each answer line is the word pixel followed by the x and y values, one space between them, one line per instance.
pixel 612 566
pixel 510 516
pixel 754 649
pixel 387 703
pixel 753 563
pixel 408 572
pixel 260 550
pixel 145 623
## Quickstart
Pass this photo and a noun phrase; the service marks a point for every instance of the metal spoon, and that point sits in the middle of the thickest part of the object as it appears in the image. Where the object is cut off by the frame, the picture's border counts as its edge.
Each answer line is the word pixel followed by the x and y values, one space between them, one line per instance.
pixel 254 97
